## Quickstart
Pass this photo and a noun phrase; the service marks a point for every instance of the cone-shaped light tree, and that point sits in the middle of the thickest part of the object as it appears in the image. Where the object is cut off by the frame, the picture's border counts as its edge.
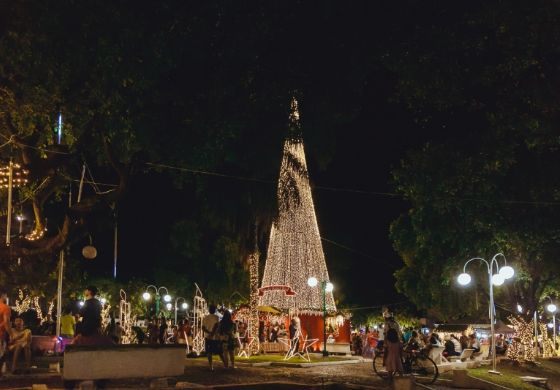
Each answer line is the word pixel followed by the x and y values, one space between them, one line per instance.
pixel 295 252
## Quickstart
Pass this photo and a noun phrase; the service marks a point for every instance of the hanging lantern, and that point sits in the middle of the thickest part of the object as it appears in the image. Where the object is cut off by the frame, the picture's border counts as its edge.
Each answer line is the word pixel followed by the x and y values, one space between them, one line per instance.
pixel 89 252
pixel 19 176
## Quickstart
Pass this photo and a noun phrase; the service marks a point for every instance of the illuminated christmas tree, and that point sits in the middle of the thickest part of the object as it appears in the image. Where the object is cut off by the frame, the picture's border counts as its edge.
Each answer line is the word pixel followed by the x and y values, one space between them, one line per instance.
pixel 295 252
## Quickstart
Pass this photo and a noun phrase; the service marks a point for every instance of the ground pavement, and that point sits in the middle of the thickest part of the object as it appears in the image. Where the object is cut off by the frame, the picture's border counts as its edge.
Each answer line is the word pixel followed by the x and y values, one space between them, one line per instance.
pixel 198 372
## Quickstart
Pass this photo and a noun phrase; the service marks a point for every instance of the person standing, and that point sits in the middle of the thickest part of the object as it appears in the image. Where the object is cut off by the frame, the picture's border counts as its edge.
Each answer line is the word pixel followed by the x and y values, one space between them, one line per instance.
pixel 5 326
pixel 227 330
pixel 67 324
pixel 295 335
pixel 393 353
pixel 210 327
pixel 91 313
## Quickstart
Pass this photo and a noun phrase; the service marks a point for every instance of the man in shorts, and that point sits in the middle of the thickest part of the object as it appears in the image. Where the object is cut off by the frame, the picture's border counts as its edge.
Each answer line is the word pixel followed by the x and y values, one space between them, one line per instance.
pixel 210 328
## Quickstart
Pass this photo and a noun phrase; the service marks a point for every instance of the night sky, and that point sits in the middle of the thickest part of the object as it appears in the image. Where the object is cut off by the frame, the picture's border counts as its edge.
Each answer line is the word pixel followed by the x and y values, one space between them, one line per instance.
pixel 331 55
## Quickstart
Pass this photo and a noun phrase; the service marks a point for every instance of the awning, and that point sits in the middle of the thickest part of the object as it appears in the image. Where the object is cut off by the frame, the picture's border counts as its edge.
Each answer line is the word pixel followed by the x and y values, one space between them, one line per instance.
pixel 269 309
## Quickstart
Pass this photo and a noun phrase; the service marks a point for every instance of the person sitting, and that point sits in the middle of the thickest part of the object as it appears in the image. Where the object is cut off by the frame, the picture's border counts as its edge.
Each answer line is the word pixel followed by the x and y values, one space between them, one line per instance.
pixel 501 345
pixel 456 344
pixel 434 340
pixel 20 340
pixel 414 343
pixel 474 343
pixel 450 347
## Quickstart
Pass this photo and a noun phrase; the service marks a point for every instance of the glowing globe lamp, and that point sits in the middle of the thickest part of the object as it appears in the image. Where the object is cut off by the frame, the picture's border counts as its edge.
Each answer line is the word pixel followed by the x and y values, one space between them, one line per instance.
pixel 169 306
pixel 551 308
pixel 329 287
pixel 497 279
pixel 464 279
pixel 507 272
pixel 185 306
pixel 312 281
pixel 146 296
pixel 519 308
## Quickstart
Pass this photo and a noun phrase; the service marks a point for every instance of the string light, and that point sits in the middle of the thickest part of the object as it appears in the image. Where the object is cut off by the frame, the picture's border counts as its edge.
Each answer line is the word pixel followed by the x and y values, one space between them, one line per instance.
pixel 547 343
pixel 126 319
pixel 36 234
pixel 23 303
pixel 19 176
pixel 522 346
pixel 254 301
pixel 200 309
pixel 295 251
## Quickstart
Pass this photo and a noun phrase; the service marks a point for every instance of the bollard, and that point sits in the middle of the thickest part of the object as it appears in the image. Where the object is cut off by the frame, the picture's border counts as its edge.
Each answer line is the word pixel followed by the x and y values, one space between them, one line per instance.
pixel 403 383
pixel 460 378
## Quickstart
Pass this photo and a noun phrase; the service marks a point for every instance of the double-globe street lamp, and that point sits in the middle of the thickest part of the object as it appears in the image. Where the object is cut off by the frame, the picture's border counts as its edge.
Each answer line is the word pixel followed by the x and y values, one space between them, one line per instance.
pixel 147 296
pixel 184 306
pixel 503 273
pixel 326 287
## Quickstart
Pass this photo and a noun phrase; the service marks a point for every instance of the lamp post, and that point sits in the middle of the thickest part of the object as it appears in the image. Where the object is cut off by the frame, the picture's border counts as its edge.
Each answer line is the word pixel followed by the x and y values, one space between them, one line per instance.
pixel 184 306
pixel 326 287
pixel 551 308
pixel 505 272
pixel 147 296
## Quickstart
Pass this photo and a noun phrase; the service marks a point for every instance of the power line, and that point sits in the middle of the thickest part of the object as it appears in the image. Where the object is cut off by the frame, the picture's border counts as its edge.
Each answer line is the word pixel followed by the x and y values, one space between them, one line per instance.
pixel 353 190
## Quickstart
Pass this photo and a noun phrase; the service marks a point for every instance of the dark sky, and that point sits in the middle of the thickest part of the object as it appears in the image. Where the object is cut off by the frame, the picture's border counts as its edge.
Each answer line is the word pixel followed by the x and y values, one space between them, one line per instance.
pixel 365 147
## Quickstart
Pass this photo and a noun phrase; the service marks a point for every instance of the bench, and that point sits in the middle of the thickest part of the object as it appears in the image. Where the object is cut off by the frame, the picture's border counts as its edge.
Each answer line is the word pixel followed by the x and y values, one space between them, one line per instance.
pixel 534 380
pixel 465 354
pixel 123 361
pixel 342 348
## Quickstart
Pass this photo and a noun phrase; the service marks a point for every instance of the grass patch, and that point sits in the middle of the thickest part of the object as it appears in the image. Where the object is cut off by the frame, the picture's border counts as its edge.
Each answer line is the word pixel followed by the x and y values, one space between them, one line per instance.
pixel 511 374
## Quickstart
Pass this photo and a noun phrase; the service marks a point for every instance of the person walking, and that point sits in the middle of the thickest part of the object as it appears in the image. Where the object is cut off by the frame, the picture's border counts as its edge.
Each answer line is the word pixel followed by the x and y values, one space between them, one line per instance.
pixel 227 330
pixel 210 328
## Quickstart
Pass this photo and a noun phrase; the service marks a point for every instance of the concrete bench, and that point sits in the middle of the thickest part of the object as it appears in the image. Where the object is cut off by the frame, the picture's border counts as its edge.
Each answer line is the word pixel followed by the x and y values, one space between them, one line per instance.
pixel 343 348
pixel 123 361
pixel 534 380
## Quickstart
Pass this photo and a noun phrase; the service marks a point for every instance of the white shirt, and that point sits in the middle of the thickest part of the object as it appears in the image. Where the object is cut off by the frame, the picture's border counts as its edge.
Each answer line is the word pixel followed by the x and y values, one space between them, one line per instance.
pixel 208 323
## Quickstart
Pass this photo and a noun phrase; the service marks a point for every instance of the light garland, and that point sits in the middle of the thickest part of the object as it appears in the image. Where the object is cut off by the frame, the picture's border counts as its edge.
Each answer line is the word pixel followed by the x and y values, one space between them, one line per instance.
pixel 254 302
pixel 23 303
pixel 522 346
pixel 200 310
pixel 105 315
pixel 19 176
pixel 295 252
pixel 36 234
pixel 126 320
pixel 547 343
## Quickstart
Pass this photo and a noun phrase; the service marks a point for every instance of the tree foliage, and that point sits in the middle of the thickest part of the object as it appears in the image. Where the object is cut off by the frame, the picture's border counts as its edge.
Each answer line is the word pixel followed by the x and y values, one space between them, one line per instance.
pixel 485 76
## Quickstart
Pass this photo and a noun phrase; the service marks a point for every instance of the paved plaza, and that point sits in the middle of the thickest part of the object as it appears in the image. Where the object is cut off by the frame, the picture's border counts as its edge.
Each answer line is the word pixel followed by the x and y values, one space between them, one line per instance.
pixel 198 373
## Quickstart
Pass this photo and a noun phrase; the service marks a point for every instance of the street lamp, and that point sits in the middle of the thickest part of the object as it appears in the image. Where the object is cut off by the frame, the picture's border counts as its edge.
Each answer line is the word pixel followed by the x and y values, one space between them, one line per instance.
pixel 551 308
pixel 184 306
pixel 326 287
pixel 505 272
pixel 147 296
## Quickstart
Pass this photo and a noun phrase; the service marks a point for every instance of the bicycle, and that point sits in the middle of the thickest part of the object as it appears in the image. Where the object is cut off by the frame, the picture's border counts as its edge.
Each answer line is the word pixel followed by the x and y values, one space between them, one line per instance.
pixel 415 363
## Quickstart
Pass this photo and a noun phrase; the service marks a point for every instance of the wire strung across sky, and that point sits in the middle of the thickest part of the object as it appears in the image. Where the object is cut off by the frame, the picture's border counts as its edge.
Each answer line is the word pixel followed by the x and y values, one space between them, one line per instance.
pixel 358 191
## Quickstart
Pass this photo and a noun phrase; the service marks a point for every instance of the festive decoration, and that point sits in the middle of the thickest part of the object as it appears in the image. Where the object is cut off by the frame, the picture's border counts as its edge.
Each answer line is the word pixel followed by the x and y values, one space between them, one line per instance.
pixel 19 176
pixel 36 234
pixel 105 315
pixel 253 320
pixel 23 303
pixel 200 309
pixel 522 346
pixel 37 306
pixel 295 252
pixel 126 320
pixel 547 344
pixel 89 252
pixel 293 352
